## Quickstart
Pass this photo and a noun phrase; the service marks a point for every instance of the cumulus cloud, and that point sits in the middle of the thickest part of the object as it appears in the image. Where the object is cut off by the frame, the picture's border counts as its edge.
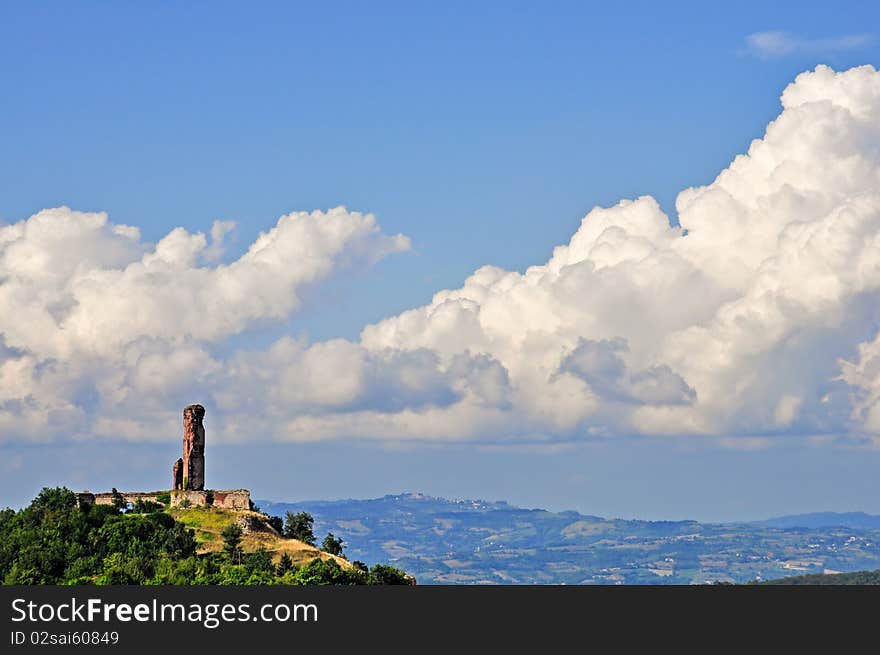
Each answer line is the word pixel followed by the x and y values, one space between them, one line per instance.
pixel 754 315
pixel 776 43
pixel 91 316
pixel 105 302
pixel 734 322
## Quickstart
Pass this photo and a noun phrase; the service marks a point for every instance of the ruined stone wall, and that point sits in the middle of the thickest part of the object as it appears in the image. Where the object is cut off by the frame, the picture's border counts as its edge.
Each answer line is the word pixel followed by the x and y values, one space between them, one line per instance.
pixel 225 498
pixel 189 498
pixel 238 499
pixel 106 498
pixel 177 474
pixel 233 499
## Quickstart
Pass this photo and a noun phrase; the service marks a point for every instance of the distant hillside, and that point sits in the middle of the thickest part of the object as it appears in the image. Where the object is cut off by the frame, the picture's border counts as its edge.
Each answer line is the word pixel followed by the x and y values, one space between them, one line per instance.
pixel 854 578
pixel 490 542
pixel 857 520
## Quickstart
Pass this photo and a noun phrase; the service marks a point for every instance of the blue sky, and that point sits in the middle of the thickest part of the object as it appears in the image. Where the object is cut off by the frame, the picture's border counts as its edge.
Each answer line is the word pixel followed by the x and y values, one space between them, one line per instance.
pixel 484 134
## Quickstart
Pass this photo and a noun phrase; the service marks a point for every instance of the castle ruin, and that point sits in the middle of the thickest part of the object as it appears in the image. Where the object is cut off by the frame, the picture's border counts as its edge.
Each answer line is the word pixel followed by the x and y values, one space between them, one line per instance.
pixel 187 476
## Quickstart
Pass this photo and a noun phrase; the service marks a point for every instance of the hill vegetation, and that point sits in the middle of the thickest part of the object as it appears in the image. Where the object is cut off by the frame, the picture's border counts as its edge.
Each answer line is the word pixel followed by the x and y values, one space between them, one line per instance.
pixel 854 578
pixel 55 541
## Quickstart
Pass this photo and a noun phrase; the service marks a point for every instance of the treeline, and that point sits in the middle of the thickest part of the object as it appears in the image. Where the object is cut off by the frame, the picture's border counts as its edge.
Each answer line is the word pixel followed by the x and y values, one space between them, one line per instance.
pixel 54 541
pixel 854 578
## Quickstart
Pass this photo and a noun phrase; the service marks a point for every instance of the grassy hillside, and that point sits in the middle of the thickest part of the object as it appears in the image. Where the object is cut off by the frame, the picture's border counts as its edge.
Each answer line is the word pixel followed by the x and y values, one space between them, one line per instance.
pixel 208 523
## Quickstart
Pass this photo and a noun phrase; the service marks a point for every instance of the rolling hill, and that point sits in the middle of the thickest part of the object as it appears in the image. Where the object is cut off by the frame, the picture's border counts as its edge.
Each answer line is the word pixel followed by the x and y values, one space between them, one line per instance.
pixel 815 520
pixel 489 542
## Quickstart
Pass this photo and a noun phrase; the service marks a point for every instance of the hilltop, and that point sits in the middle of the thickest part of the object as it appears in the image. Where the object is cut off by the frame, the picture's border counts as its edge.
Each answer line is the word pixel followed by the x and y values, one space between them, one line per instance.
pixel 58 539
pixel 189 534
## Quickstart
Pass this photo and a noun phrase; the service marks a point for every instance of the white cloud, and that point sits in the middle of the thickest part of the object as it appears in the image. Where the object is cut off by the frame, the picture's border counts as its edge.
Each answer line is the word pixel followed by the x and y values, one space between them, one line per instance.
pixel 74 284
pixel 775 43
pixel 92 319
pixel 754 317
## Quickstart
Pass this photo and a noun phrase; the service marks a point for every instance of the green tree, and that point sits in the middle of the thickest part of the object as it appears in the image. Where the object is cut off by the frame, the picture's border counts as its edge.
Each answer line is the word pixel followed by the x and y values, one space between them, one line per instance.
pixel 299 526
pixel 57 499
pixel 119 569
pixel 232 542
pixel 118 500
pixel 285 564
pixel 332 545
pixel 278 523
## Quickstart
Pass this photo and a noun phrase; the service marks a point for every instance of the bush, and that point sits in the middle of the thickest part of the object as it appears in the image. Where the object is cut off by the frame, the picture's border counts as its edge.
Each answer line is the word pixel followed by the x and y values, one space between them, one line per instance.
pixel 320 572
pixel 260 561
pixel 382 574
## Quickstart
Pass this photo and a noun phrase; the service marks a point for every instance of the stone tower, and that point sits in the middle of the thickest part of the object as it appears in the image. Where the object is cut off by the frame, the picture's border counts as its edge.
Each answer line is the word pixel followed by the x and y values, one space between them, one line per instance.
pixel 193 448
